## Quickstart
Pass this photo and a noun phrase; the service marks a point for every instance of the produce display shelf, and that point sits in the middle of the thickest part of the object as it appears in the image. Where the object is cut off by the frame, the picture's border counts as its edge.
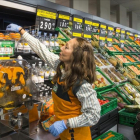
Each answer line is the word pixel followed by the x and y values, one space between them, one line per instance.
pixel 135 65
pixel 107 107
pixel 105 87
pixel 126 118
pixel 110 135
pixel 114 90
pixel 127 97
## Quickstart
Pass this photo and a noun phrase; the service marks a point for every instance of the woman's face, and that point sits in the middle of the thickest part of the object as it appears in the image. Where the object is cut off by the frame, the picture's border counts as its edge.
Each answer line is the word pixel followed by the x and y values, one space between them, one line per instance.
pixel 66 51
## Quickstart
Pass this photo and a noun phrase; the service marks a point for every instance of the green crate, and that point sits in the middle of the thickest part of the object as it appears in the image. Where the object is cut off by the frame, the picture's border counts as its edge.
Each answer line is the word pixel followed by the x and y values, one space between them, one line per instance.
pixel 110 135
pixel 115 90
pixel 122 84
pixel 126 118
pixel 134 64
pixel 108 86
pixel 111 105
pixel 64 34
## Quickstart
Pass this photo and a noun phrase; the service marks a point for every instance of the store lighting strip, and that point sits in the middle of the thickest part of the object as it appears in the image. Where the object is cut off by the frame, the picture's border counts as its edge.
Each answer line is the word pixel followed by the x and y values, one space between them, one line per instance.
pixel 17 6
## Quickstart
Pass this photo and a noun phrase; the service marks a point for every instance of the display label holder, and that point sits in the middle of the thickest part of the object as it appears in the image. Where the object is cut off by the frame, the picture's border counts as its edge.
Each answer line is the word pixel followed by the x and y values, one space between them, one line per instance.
pixel 63 19
pixel 122 38
pixel 77 26
pixel 7 48
pixel 45 18
pixel 109 35
pixel 127 35
pixel 102 35
pixel 117 32
pixel 87 29
pixel 95 26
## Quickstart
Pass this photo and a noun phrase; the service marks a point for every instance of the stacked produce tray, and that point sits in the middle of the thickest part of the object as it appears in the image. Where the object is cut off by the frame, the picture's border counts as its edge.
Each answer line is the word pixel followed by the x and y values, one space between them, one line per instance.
pixel 105 123
pixel 126 118
pixel 110 135
pixel 102 82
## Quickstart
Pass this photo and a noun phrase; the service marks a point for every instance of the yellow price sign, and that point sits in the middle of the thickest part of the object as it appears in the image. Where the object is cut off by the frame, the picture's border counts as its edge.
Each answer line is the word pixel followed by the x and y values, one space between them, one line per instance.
pixel 76 34
pixel 46 14
pixel 78 20
pixel 111 28
pixel 95 24
pixel 118 30
pixel 128 33
pixel 109 39
pixel 122 41
pixel 102 38
pixel 103 26
pixel 136 35
pixel 64 17
pixel 123 32
pixel 87 36
pixel 88 22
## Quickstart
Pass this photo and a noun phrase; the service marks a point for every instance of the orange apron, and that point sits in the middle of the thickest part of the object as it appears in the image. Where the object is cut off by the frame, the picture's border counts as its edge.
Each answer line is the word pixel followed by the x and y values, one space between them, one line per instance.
pixel 66 105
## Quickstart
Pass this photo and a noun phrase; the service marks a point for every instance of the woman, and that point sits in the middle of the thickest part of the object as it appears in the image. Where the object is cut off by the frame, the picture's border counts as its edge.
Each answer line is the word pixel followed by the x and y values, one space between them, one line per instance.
pixel 76 106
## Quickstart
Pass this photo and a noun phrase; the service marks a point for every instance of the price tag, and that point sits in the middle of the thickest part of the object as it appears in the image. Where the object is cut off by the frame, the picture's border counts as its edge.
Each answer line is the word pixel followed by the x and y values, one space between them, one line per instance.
pixel 77 22
pixel 87 25
pixel 102 29
pixel 102 34
pixel 45 18
pixel 76 34
pixel 87 28
pixel 135 37
pixel 122 41
pixel 117 33
pixel 95 26
pixel 109 35
pixel 127 34
pixel 122 34
pixel 63 19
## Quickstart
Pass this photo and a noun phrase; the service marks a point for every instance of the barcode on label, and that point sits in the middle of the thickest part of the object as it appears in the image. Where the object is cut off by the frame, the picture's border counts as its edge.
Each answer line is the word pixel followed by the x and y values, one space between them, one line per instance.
pixel 14 88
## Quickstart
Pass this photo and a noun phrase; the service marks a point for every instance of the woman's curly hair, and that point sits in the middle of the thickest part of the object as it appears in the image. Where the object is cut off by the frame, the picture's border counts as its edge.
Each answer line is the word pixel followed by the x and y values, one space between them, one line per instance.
pixel 82 66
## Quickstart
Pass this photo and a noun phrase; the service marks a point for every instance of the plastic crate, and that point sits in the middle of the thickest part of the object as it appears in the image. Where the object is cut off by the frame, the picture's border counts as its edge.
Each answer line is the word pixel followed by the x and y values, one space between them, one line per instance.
pixel 135 65
pixel 64 34
pixel 107 79
pixel 110 135
pixel 126 118
pixel 122 84
pixel 107 107
pixel 114 90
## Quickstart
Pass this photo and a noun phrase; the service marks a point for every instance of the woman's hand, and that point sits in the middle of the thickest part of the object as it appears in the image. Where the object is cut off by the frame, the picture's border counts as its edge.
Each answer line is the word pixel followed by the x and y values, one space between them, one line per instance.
pixel 13 27
pixel 57 128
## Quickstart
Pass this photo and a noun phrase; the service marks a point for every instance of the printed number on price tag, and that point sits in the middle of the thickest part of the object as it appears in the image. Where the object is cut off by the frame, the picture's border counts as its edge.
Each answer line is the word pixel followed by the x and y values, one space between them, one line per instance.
pixel 45 25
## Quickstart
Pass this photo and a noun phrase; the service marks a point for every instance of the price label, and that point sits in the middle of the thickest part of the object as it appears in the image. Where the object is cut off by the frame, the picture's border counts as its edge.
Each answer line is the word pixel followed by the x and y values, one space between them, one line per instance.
pixel 109 39
pixel 103 26
pixel 95 26
pixel 45 18
pixel 87 28
pixel 127 34
pixel 117 33
pixel 76 34
pixel 77 22
pixel 102 38
pixel 122 41
pixel 101 43
pixel 87 36
pixel 63 19
pixel 135 37
pixel 102 30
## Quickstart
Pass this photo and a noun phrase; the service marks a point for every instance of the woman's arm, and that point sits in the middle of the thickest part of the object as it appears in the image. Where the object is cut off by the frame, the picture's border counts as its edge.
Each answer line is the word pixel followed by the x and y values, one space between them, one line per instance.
pixel 90 108
pixel 41 50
